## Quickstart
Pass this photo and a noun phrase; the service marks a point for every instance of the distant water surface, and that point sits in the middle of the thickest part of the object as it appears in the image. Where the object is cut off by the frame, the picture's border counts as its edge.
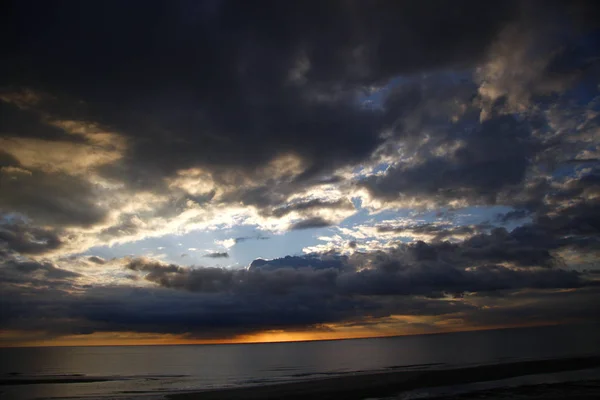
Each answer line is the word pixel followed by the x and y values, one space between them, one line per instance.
pixel 125 371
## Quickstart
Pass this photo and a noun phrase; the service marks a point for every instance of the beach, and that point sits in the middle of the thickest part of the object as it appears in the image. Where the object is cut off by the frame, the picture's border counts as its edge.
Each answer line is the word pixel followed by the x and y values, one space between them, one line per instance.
pixel 386 384
pixel 584 390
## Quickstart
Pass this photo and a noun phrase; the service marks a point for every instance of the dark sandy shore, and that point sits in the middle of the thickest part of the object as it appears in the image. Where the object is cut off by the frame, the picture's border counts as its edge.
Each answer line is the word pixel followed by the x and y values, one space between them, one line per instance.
pixel 362 386
pixel 18 380
pixel 583 390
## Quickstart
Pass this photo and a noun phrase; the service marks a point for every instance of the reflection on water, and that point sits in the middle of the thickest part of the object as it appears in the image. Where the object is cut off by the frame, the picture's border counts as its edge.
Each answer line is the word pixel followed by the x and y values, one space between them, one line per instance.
pixel 168 368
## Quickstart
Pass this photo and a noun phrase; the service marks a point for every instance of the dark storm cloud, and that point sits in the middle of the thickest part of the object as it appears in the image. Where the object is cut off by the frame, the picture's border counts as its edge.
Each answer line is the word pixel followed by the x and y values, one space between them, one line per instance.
pixel 312 205
pixel 415 269
pixel 271 198
pixel 581 220
pixel 34 274
pixel 439 280
pixel 18 236
pixel 49 270
pixel 229 86
pixel 303 291
pixel 523 246
pixel 21 122
pixel 7 160
pixel 514 215
pixel 154 270
pixel 526 246
pixel 314 261
pixel 246 238
pixel 258 299
pixel 564 215
pixel 256 281
pixel 234 85
pixel 290 292
pixel 489 163
pixel 535 306
pixel 209 315
pixel 97 260
pixel 218 315
pixel 574 227
pixel 243 83
pixel 438 232
pixel 316 222
pixel 263 197
pixel 495 155
pixel 126 225
pixel 217 255
pixel 51 198
pixel 455 146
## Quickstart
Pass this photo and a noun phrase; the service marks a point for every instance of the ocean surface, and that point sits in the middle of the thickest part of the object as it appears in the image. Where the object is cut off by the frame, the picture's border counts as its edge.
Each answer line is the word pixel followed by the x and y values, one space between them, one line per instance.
pixel 128 371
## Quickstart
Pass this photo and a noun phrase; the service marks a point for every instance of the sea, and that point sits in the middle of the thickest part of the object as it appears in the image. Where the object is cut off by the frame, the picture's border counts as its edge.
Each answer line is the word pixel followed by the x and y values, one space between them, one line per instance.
pixel 124 372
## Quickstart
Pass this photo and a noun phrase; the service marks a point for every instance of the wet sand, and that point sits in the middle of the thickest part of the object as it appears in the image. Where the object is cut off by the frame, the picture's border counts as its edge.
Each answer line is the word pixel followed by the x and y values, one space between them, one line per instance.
pixel 382 384
pixel 40 380
pixel 584 390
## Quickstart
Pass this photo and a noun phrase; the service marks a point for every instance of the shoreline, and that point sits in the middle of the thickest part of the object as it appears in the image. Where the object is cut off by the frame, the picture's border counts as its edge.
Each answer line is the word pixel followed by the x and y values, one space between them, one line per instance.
pixel 41 380
pixel 581 390
pixel 382 384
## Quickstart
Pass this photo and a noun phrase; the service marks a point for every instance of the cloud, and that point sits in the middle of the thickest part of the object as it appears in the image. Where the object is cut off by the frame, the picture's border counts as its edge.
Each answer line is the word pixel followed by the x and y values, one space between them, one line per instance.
pixel 312 204
pixel 302 116
pixel 313 261
pixel 217 255
pixel 532 59
pixel 489 158
pixel 246 238
pixel 50 198
pixel 310 223
pixel 97 260
pixel 21 121
pixel 438 280
pixel 33 274
pixel 297 292
pixel 405 271
pixel 433 232
pixel 317 120
pixel 536 307
pixel 512 216
pixel 266 139
pixel 20 237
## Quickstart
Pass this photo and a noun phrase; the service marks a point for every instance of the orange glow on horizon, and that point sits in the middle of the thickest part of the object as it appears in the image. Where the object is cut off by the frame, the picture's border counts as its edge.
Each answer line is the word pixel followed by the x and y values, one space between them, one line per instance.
pixel 16 339
pixel 392 326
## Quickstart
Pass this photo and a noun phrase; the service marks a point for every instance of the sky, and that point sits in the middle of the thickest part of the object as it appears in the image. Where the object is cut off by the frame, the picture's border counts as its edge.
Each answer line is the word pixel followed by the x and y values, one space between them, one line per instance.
pixel 232 171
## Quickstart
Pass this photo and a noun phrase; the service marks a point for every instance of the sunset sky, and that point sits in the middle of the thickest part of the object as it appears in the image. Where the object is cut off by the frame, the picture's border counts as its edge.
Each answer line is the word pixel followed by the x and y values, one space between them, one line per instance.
pixel 234 171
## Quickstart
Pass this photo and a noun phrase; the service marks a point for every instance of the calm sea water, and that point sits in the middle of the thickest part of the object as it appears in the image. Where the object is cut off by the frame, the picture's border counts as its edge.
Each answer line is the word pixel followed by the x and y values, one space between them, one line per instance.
pixel 160 369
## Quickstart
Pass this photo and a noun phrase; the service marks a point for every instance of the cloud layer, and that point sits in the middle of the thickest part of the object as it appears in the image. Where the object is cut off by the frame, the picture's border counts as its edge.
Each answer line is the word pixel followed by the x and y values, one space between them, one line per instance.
pixel 444 158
